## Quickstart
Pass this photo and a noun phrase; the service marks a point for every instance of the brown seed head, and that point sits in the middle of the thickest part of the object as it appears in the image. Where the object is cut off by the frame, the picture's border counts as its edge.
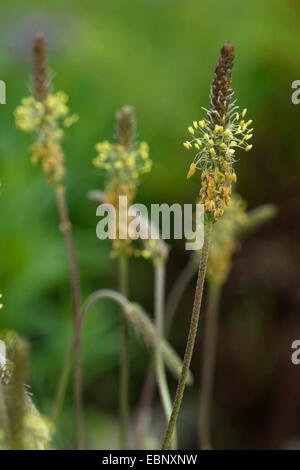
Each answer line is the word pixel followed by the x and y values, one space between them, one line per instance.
pixel 126 127
pixel 41 85
pixel 221 91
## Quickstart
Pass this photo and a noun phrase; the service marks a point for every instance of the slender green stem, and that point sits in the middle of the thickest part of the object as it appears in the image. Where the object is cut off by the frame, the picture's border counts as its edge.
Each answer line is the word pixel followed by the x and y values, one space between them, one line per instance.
pixel 124 359
pixel 208 369
pixel 159 295
pixel 75 282
pixel 191 337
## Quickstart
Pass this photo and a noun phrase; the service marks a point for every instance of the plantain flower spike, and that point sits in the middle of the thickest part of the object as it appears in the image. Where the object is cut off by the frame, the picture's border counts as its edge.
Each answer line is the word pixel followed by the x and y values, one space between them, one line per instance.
pixel 125 161
pixel 216 139
pixel 46 114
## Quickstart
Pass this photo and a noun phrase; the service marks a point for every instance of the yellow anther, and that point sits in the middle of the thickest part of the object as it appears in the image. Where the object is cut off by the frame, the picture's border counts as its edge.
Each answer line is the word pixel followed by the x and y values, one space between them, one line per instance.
pixel 249 147
pixel 233 143
pixel 197 146
pixel 237 116
pixel 212 151
pixel 209 205
pixel 211 142
pixel 187 145
pixel 249 122
pixel 233 177
pixel 206 136
pixel 202 124
pixel 244 112
pixel 195 124
pixel 191 130
pixel 191 171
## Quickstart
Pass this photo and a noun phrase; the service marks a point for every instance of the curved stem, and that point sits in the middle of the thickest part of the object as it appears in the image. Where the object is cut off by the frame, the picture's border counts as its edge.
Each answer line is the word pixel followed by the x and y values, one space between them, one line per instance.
pixel 159 295
pixel 62 384
pixel 209 359
pixel 191 338
pixel 75 282
pixel 124 359
pixel 103 294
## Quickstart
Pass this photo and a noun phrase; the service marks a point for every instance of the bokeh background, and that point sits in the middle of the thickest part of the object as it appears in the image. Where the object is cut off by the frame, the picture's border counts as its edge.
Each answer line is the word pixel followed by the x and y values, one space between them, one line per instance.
pixel 158 55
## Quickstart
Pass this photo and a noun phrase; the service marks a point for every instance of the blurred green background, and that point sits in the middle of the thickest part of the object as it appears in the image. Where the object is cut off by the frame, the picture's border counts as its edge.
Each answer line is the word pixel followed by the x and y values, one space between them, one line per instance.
pixel 158 55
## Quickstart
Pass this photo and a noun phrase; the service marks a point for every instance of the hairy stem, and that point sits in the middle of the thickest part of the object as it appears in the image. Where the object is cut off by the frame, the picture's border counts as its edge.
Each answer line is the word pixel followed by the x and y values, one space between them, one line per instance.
pixel 191 337
pixel 75 283
pixel 208 369
pixel 159 295
pixel 124 359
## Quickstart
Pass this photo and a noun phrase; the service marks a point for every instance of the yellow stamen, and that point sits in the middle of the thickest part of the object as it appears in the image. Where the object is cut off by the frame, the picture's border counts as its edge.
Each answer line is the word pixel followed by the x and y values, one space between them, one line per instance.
pixel 191 171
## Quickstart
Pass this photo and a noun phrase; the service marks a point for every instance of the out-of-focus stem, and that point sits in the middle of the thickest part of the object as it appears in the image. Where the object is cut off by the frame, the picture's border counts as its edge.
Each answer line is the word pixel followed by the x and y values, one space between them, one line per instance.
pixel 75 283
pixel 159 295
pixel 178 289
pixel 63 381
pixel 143 408
pixel 124 359
pixel 191 337
pixel 62 385
pixel 208 368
